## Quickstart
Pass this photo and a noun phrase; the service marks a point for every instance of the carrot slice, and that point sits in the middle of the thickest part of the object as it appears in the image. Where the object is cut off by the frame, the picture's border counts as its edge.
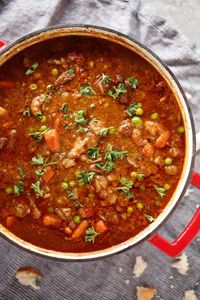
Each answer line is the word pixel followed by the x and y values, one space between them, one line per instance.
pixel 48 174
pixel 7 84
pixel 80 229
pixel 52 140
pixel 100 227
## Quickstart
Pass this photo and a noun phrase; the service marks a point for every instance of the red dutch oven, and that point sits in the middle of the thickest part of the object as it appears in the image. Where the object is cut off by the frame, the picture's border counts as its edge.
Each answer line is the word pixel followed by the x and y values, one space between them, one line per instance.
pixel 188 174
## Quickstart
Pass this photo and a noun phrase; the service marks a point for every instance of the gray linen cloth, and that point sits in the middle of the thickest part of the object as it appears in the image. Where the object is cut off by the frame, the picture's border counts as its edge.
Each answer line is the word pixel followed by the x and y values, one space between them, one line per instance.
pixel 110 278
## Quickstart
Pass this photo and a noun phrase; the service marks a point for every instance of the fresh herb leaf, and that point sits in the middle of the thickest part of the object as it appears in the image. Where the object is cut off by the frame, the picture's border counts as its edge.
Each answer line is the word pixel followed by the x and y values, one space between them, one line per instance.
pixel 93 153
pixel 107 167
pixel 36 187
pixel 82 130
pixel 140 176
pixel 116 91
pixel 106 131
pixel 90 234
pixel 18 188
pixel 70 194
pixel 32 69
pixel 39 115
pixel 77 204
pixel 79 117
pixel 64 107
pixel 70 71
pixel 161 191
pixel 127 185
pixel 27 112
pixel 149 218
pixel 86 176
pixel 38 135
pixel 21 172
pixel 131 110
pixel 106 79
pixel 87 90
pixel 65 116
pixel 133 82
pixel 114 154
pixel 50 86
pixel 37 160
pixel 39 172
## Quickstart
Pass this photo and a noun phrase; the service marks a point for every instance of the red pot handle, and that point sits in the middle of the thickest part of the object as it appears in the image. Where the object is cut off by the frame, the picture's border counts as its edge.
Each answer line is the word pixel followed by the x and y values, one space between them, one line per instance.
pixel 2 44
pixel 187 235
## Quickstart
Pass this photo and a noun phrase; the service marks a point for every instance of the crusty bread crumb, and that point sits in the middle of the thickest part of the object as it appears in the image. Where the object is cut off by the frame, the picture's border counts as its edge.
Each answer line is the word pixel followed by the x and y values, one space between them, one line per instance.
pixel 28 276
pixel 190 295
pixel 139 267
pixel 145 293
pixel 182 264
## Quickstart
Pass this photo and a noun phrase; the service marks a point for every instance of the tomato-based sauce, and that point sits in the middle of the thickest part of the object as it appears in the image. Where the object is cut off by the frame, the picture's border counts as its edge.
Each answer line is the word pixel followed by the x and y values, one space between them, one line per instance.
pixel 92 144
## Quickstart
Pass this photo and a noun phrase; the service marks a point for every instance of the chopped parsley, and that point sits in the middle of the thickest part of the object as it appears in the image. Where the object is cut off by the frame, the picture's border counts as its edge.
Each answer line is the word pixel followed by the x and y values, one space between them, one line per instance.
pixel 27 112
pixel 70 71
pixel 90 234
pixel 21 172
pixel 39 115
pixel 18 188
pixel 39 172
pixel 140 176
pixel 86 177
pixel 93 153
pixel 149 218
pixel 107 167
pixel 161 191
pixel 116 91
pixel 77 204
pixel 50 86
pixel 92 105
pixel 107 131
pixel 82 130
pixel 80 117
pixel 114 154
pixel 36 187
pixel 106 79
pixel 131 110
pixel 64 107
pixel 126 186
pixel 32 69
pixel 38 135
pixel 37 160
pixel 87 90
pixel 133 82
pixel 69 194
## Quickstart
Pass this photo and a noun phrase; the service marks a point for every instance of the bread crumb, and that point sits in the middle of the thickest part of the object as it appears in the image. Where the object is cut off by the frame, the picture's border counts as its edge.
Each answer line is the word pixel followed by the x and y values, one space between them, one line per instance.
pixel 28 276
pixel 145 293
pixel 171 277
pixel 120 269
pixel 188 192
pixel 139 267
pixel 182 265
pixel 172 286
pixel 190 295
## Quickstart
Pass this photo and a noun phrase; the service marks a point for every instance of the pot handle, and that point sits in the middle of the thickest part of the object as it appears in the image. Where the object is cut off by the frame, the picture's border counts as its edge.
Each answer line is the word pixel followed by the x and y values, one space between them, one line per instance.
pixel 2 44
pixel 187 235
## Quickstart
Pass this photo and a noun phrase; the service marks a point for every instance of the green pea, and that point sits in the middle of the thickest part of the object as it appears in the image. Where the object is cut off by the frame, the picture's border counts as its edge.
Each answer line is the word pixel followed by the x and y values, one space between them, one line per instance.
pixel 134 174
pixel 136 120
pixel 112 130
pixel 129 210
pixel 54 72
pixel 181 129
pixel 140 205
pixel 139 111
pixel 64 185
pixel 51 210
pixel 154 116
pixel 76 219
pixel 72 183
pixel 168 161
pixel 43 128
pixel 166 186
pixel 9 190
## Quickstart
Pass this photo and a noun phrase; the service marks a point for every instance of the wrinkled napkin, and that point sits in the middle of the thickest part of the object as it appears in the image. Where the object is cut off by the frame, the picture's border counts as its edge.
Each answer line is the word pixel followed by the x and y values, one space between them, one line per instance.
pixel 110 278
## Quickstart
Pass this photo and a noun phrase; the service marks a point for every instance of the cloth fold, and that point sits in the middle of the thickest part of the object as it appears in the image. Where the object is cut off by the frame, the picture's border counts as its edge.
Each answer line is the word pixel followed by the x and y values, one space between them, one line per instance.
pixel 110 278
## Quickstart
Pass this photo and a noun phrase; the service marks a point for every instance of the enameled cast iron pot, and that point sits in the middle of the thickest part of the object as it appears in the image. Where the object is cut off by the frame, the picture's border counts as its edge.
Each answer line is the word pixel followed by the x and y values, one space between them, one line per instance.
pixel 187 175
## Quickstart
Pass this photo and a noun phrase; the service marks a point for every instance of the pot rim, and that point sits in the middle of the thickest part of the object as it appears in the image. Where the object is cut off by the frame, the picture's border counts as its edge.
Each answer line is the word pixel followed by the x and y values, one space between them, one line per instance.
pixel 119 248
